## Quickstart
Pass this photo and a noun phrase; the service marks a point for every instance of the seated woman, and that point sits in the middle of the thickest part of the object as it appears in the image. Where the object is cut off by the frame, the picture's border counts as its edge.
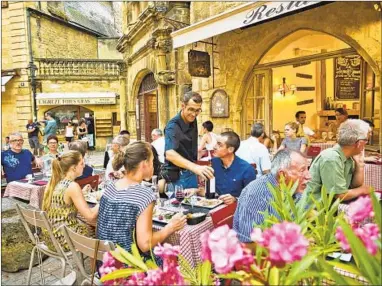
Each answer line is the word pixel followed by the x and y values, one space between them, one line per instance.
pixel 269 142
pixel 118 145
pixel 291 140
pixel 127 205
pixel 82 147
pixel 63 197
pixel 52 143
pixel 208 141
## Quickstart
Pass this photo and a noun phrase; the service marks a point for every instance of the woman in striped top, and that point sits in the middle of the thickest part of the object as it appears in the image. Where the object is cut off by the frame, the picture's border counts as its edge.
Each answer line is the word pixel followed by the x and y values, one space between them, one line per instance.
pixel 127 205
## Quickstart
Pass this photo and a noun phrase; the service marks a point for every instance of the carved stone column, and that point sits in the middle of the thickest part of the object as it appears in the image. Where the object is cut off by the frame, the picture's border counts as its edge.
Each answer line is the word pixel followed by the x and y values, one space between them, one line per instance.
pixel 163 75
pixel 123 97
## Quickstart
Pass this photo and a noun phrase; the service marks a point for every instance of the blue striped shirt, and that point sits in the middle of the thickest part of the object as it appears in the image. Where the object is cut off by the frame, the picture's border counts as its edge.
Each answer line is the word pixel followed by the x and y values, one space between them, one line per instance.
pixel 119 211
pixel 255 198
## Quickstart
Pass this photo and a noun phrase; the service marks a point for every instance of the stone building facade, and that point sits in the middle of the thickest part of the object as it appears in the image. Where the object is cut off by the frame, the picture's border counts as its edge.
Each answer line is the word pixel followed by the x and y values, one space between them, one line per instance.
pixel 242 57
pixel 75 67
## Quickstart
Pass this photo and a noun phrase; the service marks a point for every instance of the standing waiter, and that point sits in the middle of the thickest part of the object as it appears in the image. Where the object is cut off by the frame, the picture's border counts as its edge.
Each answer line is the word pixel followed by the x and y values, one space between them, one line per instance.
pixel 181 145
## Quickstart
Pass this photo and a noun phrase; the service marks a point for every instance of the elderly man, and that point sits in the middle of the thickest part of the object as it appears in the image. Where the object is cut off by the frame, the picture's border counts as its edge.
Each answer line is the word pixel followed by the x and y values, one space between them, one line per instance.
pixel 16 161
pixel 231 172
pixel 254 152
pixel 256 197
pixel 341 169
pixel 158 143
pixel 181 145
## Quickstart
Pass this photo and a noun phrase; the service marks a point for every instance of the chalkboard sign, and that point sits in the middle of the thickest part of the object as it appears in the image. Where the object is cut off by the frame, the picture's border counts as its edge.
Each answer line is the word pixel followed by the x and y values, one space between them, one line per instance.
pixel 347 75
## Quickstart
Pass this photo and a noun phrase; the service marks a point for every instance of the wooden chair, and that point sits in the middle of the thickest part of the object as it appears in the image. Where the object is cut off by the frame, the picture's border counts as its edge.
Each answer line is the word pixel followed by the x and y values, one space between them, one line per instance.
pixel 85 246
pixel 92 180
pixel 39 219
pixel 224 215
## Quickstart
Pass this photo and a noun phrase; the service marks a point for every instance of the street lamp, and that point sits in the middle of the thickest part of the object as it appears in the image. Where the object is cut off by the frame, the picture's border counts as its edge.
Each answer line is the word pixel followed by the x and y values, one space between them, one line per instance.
pixel 32 68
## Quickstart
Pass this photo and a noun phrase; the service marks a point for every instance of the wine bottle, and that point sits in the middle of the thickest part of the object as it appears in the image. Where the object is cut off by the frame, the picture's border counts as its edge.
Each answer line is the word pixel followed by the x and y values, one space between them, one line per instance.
pixel 210 183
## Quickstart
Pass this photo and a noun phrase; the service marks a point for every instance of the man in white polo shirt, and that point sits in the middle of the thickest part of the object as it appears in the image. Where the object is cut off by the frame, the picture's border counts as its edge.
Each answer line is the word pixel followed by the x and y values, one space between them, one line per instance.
pixel 303 130
pixel 252 151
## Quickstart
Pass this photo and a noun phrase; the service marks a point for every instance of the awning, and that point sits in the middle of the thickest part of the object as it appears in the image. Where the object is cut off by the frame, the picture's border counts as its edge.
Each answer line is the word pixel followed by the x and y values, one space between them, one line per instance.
pixel 241 16
pixel 75 98
pixel 4 80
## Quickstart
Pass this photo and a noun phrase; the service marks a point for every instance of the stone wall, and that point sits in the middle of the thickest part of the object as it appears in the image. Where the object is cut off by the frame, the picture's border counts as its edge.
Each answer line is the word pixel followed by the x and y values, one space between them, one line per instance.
pixel 51 39
pixel 107 49
pixel 203 10
pixel 357 24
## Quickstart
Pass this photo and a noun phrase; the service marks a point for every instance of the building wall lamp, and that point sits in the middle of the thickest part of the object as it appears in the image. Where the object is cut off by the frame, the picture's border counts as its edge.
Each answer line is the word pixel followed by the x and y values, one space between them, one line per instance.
pixel 284 88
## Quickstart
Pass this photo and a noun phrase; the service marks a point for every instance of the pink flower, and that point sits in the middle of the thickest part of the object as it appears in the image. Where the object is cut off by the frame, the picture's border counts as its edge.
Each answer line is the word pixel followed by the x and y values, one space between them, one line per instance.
pixel 109 264
pixel 257 235
pixel 340 236
pixel 285 242
pixel 223 248
pixel 368 234
pixel 361 209
pixel 206 251
pixel 167 250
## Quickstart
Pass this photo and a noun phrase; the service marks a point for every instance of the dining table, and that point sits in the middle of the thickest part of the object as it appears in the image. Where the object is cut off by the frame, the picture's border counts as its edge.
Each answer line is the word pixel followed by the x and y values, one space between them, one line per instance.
pixel 29 191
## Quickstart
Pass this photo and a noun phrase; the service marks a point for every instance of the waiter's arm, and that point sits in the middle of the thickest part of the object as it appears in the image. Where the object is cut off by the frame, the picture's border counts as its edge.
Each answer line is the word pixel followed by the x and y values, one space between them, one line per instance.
pixel 175 158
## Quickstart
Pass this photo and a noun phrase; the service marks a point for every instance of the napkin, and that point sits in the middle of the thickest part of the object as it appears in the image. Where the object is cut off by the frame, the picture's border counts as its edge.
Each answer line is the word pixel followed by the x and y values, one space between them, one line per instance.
pixel 40 183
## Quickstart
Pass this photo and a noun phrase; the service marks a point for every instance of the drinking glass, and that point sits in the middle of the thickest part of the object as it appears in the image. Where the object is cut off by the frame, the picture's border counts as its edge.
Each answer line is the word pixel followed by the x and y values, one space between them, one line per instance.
pixel 179 195
pixel 169 190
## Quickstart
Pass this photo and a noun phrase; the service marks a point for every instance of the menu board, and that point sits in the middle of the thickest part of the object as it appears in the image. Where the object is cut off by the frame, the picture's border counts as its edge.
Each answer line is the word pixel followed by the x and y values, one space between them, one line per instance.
pixel 347 75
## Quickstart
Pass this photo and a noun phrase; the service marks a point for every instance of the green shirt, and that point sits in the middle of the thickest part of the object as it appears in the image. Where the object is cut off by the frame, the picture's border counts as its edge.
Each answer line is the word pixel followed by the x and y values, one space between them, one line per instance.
pixel 331 169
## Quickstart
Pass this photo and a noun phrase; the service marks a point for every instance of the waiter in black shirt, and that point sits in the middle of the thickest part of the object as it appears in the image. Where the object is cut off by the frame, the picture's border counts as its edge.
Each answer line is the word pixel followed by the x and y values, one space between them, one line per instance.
pixel 181 145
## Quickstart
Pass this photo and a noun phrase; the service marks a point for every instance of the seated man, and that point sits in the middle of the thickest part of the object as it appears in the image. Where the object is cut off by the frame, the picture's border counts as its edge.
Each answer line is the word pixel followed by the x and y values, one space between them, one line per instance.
pixel 231 172
pixel 82 147
pixel 256 197
pixel 254 152
pixel 341 169
pixel 16 161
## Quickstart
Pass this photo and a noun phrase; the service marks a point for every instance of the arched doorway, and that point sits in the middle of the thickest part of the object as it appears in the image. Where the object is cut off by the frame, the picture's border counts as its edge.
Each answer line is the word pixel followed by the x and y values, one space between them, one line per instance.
pixel 147 103
pixel 303 72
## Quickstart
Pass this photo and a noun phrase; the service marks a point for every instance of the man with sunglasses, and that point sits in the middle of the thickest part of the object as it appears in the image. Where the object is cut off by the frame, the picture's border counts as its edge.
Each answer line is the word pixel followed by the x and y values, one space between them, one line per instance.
pixel 17 162
pixel 341 169
pixel 181 145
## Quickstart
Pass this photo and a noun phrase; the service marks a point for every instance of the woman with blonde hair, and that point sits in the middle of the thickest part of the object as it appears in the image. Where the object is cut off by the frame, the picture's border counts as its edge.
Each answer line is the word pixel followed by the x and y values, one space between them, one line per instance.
pixel 127 205
pixel 291 140
pixel 63 197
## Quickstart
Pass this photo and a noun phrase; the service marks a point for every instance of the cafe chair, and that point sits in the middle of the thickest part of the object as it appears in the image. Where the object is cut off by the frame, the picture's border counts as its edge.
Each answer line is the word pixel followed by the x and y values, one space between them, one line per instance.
pixel 81 245
pixel 313 151
pixel 93 181
pixel 39 219
pixel 224 215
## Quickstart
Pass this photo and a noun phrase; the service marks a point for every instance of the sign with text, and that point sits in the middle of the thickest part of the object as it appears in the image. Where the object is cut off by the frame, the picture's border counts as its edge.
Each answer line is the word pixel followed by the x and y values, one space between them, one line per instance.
pixel 347 75
pixel 242 16
pixel 199 63
pixel 219 104
pixel 75 101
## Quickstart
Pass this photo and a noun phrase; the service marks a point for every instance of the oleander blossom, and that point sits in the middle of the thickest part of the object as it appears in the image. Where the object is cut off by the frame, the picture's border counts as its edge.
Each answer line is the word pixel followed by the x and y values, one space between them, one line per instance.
pixel 368 234
pixel 361 209
pixel 222 247
pixel 109 265
pixel 284 241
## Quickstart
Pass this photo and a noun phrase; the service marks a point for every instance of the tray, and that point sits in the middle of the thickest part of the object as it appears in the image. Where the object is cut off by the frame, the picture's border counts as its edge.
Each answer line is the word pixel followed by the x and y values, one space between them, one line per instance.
pixel 204 203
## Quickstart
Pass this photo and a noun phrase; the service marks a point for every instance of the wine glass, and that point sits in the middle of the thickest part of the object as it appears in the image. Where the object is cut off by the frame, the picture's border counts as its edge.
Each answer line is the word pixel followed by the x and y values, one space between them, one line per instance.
pixel 179 195
pixel 169 190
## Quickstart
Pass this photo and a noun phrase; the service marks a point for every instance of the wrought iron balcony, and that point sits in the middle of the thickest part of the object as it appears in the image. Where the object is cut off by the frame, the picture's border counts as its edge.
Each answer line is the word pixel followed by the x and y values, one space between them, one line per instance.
pixel 78 69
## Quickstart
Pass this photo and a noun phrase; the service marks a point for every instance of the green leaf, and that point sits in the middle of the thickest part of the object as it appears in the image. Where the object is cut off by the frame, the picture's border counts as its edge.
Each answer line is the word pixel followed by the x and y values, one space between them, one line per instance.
pixel 206 273
pixel 135 251
pixel 132 260
pixel 120 273
pixel 187 271
pixel 239 275
pixel 334 275
pixel 274 276
pixel 345 266
pixel 377 210
pixel 299 267
pixel 151 264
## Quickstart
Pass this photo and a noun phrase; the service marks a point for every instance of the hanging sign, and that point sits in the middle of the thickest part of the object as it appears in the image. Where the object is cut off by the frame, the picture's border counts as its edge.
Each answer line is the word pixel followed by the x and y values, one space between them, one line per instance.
pixel 199 64
pixel 219 104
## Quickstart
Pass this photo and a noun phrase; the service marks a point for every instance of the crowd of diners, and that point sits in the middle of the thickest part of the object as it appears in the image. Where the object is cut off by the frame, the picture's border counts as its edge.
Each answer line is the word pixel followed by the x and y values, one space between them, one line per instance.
pixel 127 205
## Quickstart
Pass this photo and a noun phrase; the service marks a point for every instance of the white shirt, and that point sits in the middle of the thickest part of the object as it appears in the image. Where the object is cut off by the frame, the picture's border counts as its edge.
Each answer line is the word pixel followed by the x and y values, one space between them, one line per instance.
pixel 252 151
pixel 159 146
pixel 308 131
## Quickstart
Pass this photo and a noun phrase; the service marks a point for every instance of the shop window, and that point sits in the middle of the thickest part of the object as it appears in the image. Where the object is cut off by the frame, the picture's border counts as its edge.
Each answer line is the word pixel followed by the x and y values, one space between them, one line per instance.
pixel 4 4
pixel 115 120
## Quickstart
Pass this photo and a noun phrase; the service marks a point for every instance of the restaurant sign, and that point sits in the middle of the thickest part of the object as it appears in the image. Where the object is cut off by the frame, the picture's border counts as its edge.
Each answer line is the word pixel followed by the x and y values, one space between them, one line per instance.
pixel 76 98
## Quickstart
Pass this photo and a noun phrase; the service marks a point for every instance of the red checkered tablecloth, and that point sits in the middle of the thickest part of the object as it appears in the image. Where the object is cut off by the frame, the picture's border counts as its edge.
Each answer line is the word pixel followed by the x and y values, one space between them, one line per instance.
pixel 32 193
pixel 189 239
pixel 373 176
pixel 323 146
pixel 360 280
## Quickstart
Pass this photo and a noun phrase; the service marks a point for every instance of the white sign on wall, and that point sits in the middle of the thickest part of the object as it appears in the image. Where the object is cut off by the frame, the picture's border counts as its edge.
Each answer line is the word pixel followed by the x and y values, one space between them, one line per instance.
pixel 79 98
